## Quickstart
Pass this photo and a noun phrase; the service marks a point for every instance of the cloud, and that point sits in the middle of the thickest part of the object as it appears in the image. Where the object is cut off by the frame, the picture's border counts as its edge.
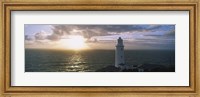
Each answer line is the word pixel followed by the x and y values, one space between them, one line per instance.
pixel 107 34
pixel 44 36
pixel 94 40
pixel 53 37
pixel 28 38
pixel 170 33
pixel 88 31
pixel 40 35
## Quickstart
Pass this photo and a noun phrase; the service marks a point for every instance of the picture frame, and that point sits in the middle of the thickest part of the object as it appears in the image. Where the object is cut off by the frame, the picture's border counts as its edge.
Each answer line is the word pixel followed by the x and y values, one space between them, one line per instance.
pixel 137 91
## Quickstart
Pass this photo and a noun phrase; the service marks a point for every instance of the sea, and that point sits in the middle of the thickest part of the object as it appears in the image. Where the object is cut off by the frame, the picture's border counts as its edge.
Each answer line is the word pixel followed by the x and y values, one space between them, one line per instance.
pixel 43 60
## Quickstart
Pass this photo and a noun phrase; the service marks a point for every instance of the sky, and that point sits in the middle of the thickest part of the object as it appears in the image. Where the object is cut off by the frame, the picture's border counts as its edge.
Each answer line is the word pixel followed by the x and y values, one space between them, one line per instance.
pixel 79 37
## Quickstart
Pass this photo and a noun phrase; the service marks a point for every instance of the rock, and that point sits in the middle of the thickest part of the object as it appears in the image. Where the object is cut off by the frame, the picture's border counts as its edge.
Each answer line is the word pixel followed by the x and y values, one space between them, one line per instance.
pixel 109 69
pixel 139 68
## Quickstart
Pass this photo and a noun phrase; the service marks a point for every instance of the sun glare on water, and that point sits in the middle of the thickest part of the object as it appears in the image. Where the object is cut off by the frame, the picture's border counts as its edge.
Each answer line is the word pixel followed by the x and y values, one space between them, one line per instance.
pixel 75 42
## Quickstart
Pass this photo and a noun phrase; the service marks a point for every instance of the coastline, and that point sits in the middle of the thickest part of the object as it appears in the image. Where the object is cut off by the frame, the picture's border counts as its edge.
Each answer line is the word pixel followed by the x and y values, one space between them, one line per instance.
pixel 139 68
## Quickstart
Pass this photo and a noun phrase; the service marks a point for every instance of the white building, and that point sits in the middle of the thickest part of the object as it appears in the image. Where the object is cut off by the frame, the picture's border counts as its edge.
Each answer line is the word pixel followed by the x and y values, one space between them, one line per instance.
pixel 119 54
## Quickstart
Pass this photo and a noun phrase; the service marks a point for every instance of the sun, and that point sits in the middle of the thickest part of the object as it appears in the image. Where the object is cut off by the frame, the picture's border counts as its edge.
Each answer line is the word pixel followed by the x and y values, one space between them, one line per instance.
pixel 74 42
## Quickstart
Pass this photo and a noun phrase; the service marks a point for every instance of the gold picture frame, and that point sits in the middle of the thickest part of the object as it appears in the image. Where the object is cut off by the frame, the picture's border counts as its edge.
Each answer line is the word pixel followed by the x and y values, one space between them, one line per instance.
pixel 49 5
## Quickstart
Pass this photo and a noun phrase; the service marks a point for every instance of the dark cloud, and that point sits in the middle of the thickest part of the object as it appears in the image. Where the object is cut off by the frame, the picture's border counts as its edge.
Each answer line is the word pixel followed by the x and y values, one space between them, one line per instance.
pixel 28 38
pixel 94 40
pixel 170 33
pixel 53 37
pixel 161 27
pixel 98 36
pixel 166 34
pixel 88 31
pixel 62 29
pixel 154 35
pixel 40 35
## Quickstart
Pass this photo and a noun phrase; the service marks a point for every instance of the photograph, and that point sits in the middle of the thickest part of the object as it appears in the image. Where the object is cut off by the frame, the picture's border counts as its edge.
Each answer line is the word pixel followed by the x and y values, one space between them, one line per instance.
pixel 99 48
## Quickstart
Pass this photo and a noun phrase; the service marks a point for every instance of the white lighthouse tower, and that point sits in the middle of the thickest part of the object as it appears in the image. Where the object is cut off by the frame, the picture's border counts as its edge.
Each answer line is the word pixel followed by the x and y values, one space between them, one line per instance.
pixel 119 53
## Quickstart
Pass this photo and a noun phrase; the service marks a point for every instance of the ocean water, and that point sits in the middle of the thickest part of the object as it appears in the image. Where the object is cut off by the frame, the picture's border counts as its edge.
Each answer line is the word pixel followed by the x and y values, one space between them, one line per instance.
pixel 90 60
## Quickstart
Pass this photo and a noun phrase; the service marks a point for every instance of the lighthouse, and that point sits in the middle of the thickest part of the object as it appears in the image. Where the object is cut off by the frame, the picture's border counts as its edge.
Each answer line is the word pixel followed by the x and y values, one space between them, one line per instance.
pixel 119 53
